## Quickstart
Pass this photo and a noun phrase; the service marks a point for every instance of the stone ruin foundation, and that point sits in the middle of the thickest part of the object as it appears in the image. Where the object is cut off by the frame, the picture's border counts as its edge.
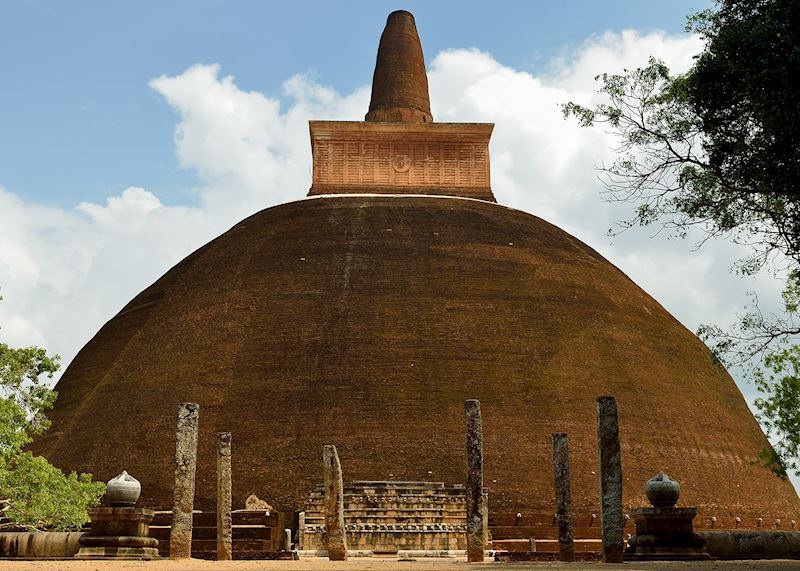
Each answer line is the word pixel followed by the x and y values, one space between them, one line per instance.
pixel 392 518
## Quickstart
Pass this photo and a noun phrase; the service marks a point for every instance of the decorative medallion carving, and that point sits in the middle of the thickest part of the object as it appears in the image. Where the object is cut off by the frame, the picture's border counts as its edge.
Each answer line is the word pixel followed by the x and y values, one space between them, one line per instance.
pixel 401 163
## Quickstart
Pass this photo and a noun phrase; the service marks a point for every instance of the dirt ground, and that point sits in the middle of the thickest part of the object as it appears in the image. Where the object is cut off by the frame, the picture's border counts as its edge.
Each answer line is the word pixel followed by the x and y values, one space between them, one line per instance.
pixel 378 565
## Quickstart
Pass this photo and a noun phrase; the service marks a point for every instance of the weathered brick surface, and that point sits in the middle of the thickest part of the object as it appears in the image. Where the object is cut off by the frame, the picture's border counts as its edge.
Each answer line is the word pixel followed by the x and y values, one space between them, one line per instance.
pixel 450 159
pixel 367 321
pixel 400 82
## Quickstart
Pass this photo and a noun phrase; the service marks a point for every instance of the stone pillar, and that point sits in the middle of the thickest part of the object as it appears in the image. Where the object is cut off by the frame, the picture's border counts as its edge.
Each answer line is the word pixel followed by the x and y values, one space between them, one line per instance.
pixel 611 517
pixel 566 548
pixel 301 531
pixel 224 522
pixel 476 506
pixel 287 538
pixel 335 534
pixel 180 538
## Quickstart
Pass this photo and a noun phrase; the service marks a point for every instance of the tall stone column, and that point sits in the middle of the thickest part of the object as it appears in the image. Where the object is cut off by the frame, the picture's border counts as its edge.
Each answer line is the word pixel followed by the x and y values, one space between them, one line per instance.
pixel 336 536
pixel 224 522
pixel 287 539
pixel 566 547
pixel 476 505
pixel 611 517
pixel 301 531
pixel 180 539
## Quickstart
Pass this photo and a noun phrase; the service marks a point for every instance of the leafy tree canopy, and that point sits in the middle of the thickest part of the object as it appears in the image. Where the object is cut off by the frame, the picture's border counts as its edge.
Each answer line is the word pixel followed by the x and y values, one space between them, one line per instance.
pixel 718 149
pixel 26 397
pixel 37 495
pixel 33 493
pixel 780 408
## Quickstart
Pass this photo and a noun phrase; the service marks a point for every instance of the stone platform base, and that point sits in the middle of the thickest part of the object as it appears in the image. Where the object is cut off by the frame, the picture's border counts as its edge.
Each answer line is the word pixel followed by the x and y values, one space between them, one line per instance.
pixel 750 544
pixel 39 544
pixel 123 553
pixel 119 533
pixel 517 556
pixel 400 554
pixel 665 534
pixel 667 554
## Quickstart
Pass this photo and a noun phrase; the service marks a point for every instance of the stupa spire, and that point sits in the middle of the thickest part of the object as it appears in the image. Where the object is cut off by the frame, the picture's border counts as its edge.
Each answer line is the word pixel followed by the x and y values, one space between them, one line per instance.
pixel 400 84
pixel 399 149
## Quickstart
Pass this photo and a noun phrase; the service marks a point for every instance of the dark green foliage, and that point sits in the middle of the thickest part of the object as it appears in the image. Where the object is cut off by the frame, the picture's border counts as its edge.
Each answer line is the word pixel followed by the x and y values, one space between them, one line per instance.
pixel 37 495
pixel 25 398
pixel 718 148
pixel 743 87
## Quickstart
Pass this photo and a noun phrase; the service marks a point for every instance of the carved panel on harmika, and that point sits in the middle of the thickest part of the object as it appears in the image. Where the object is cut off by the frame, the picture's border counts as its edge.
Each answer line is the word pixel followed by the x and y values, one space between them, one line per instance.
pixel 450 159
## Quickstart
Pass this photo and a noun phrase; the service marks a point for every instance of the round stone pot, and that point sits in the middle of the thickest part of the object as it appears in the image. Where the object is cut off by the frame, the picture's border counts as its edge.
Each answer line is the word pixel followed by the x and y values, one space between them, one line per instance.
pixel 123 491
pixel 662 491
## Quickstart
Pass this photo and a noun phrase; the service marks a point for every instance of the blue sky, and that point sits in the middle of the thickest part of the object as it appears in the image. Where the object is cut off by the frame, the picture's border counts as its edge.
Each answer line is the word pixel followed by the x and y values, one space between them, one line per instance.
pixel 78 120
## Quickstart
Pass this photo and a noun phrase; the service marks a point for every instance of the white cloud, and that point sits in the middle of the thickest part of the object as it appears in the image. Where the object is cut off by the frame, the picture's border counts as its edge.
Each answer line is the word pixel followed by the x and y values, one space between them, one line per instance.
pixel 64 272
pixel 242 144
pixel 612 52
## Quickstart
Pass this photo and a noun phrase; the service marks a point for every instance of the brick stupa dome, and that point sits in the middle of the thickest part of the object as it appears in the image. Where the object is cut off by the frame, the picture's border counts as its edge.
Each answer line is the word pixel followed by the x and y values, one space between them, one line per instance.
pixel 365 320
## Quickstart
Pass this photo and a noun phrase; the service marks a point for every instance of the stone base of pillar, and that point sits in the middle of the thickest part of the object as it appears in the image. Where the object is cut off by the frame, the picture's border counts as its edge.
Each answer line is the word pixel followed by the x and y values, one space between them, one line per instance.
pixel 119 533
pixel 665 534
pixel 122 553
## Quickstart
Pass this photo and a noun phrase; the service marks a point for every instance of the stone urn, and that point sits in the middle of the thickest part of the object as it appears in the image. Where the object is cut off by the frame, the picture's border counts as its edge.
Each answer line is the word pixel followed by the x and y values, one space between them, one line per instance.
pixel 123 491
pixel 662 491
